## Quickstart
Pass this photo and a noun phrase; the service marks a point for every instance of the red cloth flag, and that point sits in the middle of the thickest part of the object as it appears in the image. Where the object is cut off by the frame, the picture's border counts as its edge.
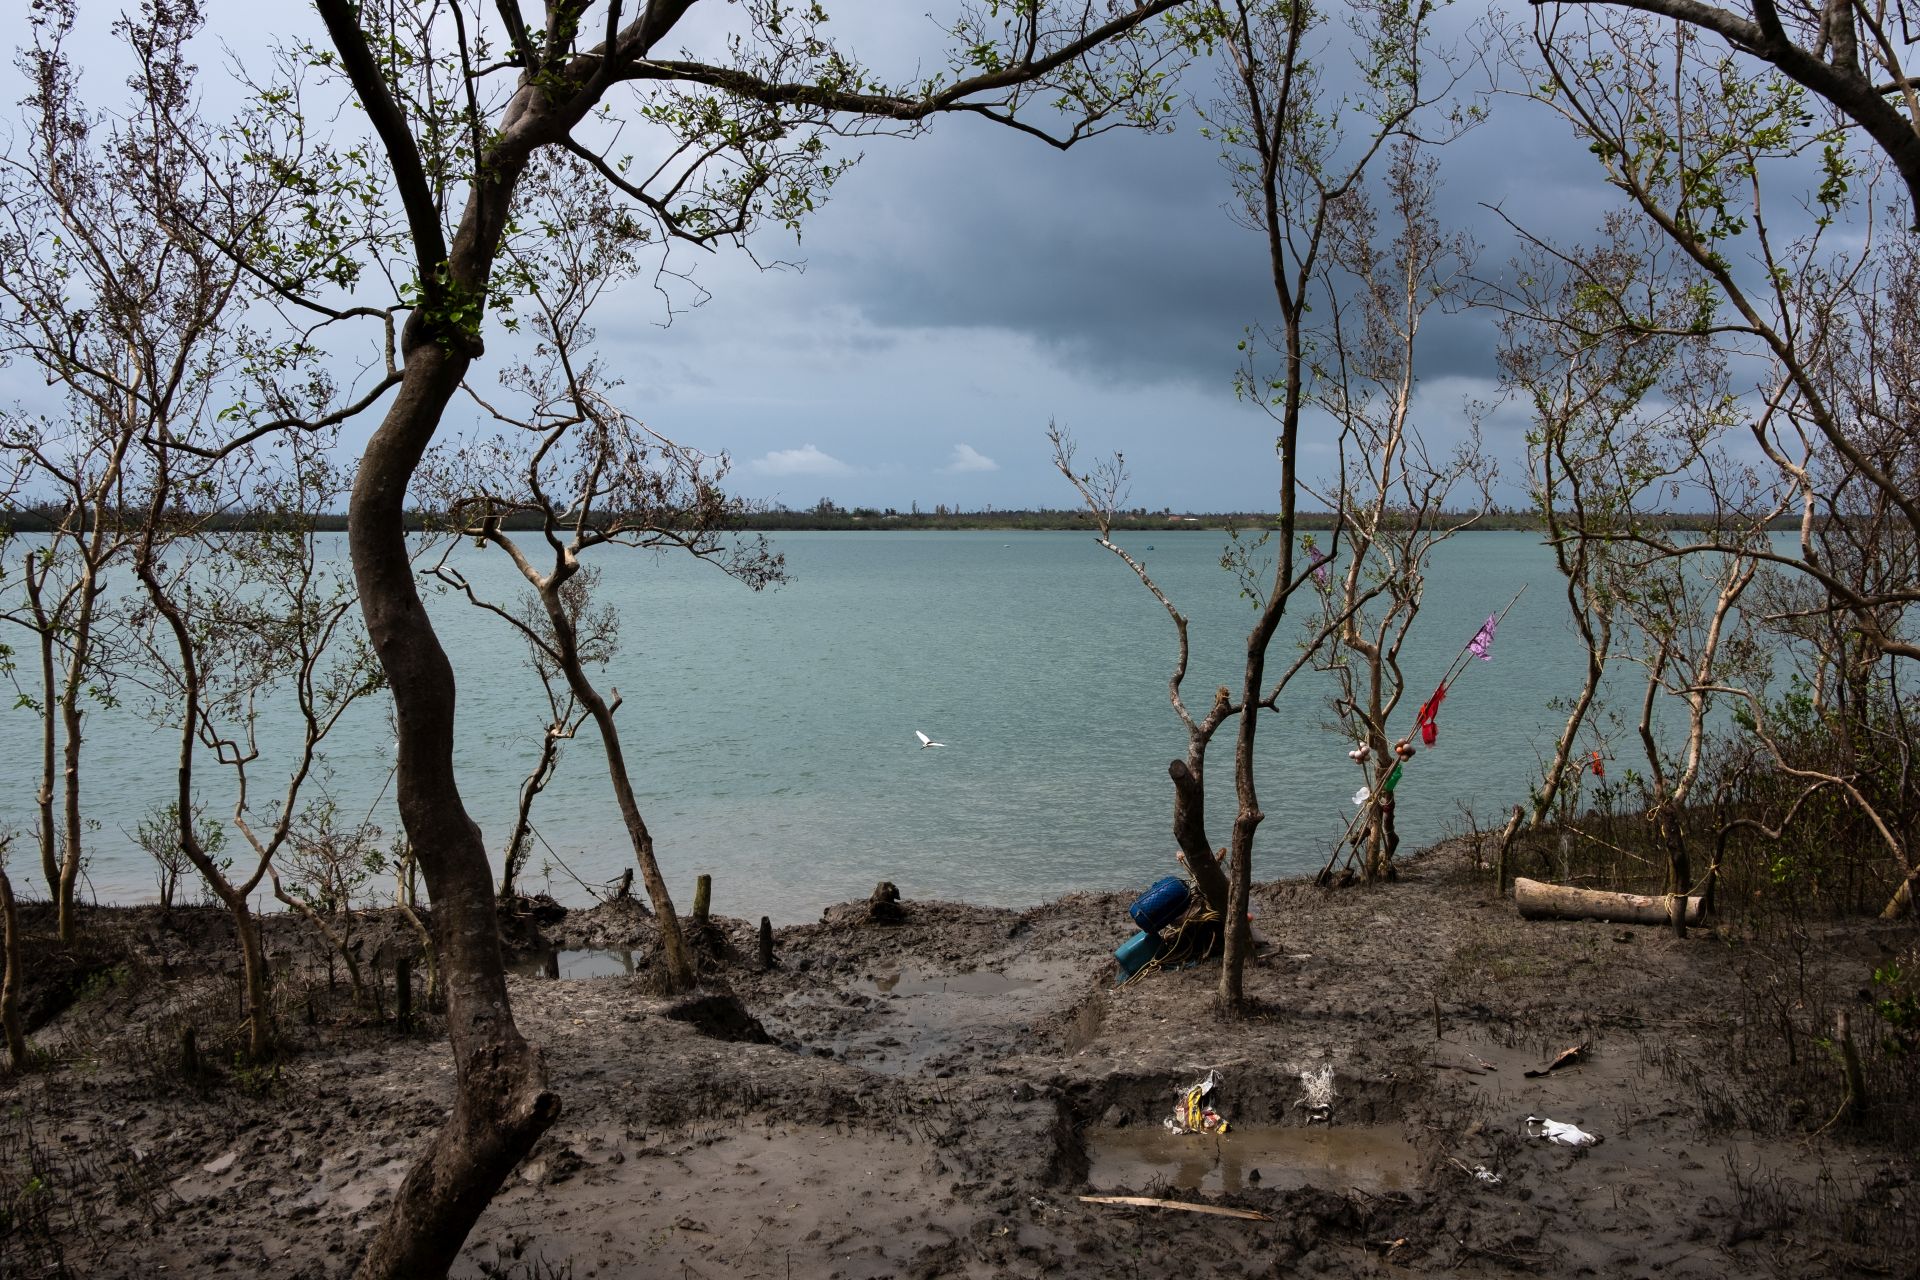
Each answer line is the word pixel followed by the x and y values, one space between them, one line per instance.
pixel 1428 726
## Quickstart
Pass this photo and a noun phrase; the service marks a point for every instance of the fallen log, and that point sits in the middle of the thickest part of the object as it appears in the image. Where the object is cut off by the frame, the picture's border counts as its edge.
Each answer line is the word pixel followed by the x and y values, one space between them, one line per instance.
pixel 1539 901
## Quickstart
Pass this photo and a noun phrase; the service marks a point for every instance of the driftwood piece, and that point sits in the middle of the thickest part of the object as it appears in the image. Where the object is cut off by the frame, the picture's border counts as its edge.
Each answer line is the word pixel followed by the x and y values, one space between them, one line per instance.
pixel 1565 1058
pixel 1538 901
pixel 1148 1202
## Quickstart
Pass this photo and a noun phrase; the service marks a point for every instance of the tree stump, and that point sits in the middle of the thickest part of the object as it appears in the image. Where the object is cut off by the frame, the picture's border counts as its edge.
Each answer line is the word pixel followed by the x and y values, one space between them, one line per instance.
pixel 884 903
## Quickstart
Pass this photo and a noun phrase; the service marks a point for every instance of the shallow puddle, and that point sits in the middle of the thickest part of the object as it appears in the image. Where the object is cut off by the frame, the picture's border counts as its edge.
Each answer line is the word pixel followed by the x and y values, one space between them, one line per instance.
pixel 571 965
pixel 981 982
pixel 1370 1157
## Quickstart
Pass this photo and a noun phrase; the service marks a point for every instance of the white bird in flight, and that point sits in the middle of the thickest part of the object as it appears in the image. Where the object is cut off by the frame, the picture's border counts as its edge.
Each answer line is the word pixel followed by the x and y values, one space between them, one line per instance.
pixel 925 741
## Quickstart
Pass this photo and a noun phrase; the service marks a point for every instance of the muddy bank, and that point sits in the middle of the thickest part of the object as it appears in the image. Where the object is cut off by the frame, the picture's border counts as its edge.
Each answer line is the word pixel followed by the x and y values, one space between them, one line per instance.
pixel 933 1096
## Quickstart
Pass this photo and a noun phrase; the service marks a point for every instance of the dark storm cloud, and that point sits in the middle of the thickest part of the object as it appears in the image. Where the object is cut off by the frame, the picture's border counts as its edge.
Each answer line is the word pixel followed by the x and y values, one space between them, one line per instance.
pixel 1116 256
pixel 1120 257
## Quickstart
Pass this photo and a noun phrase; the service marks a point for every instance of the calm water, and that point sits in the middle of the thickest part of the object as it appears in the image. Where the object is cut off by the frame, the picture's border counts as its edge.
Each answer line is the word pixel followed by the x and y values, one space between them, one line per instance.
pixel 772 735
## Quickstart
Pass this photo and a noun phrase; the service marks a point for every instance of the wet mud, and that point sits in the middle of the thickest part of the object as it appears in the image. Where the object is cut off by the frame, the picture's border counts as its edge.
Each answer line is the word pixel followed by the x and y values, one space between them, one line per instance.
pixel 934 1095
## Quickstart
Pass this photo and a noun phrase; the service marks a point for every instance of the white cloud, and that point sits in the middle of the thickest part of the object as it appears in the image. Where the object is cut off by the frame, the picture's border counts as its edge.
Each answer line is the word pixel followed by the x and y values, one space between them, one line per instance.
pixel 967 458
pixel 804 461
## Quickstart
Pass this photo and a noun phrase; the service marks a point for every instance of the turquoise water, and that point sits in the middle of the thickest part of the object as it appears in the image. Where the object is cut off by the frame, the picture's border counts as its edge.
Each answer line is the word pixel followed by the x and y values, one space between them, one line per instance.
pixel 772 735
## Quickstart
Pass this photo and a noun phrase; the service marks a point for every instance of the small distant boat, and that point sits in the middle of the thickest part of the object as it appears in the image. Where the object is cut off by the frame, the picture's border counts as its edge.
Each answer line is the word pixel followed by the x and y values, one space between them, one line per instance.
pixel 1149 546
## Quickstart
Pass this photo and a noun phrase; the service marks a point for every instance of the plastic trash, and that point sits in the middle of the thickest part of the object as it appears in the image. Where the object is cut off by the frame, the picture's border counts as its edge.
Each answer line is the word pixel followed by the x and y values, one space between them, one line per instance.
pixel 1317 1087
pixel 1134 953
pixel 1161 905
pixel 1558 1131
pixel 1194 1112
pixel 1479 1172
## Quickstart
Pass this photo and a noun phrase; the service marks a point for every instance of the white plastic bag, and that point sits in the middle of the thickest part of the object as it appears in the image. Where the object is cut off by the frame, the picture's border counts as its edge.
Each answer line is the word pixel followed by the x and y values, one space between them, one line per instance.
pixel 1558 1131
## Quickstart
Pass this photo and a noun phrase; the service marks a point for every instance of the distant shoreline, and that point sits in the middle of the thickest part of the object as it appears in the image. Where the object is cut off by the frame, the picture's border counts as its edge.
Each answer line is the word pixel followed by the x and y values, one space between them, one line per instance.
pixel 868 519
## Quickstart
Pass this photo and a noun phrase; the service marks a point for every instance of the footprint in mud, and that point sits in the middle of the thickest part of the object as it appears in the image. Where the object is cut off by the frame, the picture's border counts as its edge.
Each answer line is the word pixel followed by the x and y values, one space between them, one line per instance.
pixel 908 1020
pixel 981 982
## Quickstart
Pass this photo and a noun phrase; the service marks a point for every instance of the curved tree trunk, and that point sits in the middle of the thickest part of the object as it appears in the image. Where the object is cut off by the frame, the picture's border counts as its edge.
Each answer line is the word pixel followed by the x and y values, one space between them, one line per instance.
pixel 253 964
pixel 501 1101
pixel 1901 903
pixel 530 789
pixel 10 982
pixel 1238 936
pixel 1190 829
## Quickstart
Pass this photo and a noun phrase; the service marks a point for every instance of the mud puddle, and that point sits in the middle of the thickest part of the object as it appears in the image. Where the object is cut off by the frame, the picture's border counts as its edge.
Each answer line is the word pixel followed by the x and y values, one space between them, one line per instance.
pixel 1370 1157
pixel 572 965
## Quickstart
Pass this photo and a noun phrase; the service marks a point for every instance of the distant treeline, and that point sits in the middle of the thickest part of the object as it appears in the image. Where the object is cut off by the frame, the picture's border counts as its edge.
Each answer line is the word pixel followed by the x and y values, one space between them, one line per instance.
pixel 779 520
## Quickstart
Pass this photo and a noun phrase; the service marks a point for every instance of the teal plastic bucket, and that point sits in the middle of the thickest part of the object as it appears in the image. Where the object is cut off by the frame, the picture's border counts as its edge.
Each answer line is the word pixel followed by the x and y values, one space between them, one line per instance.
pixel 1135 952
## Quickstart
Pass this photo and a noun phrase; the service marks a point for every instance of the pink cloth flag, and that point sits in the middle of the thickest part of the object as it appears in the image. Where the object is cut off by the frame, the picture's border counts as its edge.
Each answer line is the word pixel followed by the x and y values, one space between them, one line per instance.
pixel 1481 646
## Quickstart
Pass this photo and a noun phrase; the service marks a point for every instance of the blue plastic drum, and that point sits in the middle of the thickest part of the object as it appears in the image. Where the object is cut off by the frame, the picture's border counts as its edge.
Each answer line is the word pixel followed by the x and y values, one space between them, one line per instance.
pixel 1161 905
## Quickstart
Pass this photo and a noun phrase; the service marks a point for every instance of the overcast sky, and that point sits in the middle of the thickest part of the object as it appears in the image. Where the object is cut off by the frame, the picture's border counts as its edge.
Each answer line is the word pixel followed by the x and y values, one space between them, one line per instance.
pixel 963 288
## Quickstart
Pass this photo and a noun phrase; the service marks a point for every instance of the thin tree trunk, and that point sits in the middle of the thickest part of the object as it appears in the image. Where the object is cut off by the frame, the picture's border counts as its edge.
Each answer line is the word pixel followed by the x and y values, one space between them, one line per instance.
pixel 404 901
pixel 71 821
pixel 677 956
pixel 17 1052
pixel 333 939
pixel 253 964
pixel 673 940
pixel 1500 859
pixel 1597 647
pixel 1238 938
pixel 70 716
pixel 530 790
pixel 1679 867
pixel 43 798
